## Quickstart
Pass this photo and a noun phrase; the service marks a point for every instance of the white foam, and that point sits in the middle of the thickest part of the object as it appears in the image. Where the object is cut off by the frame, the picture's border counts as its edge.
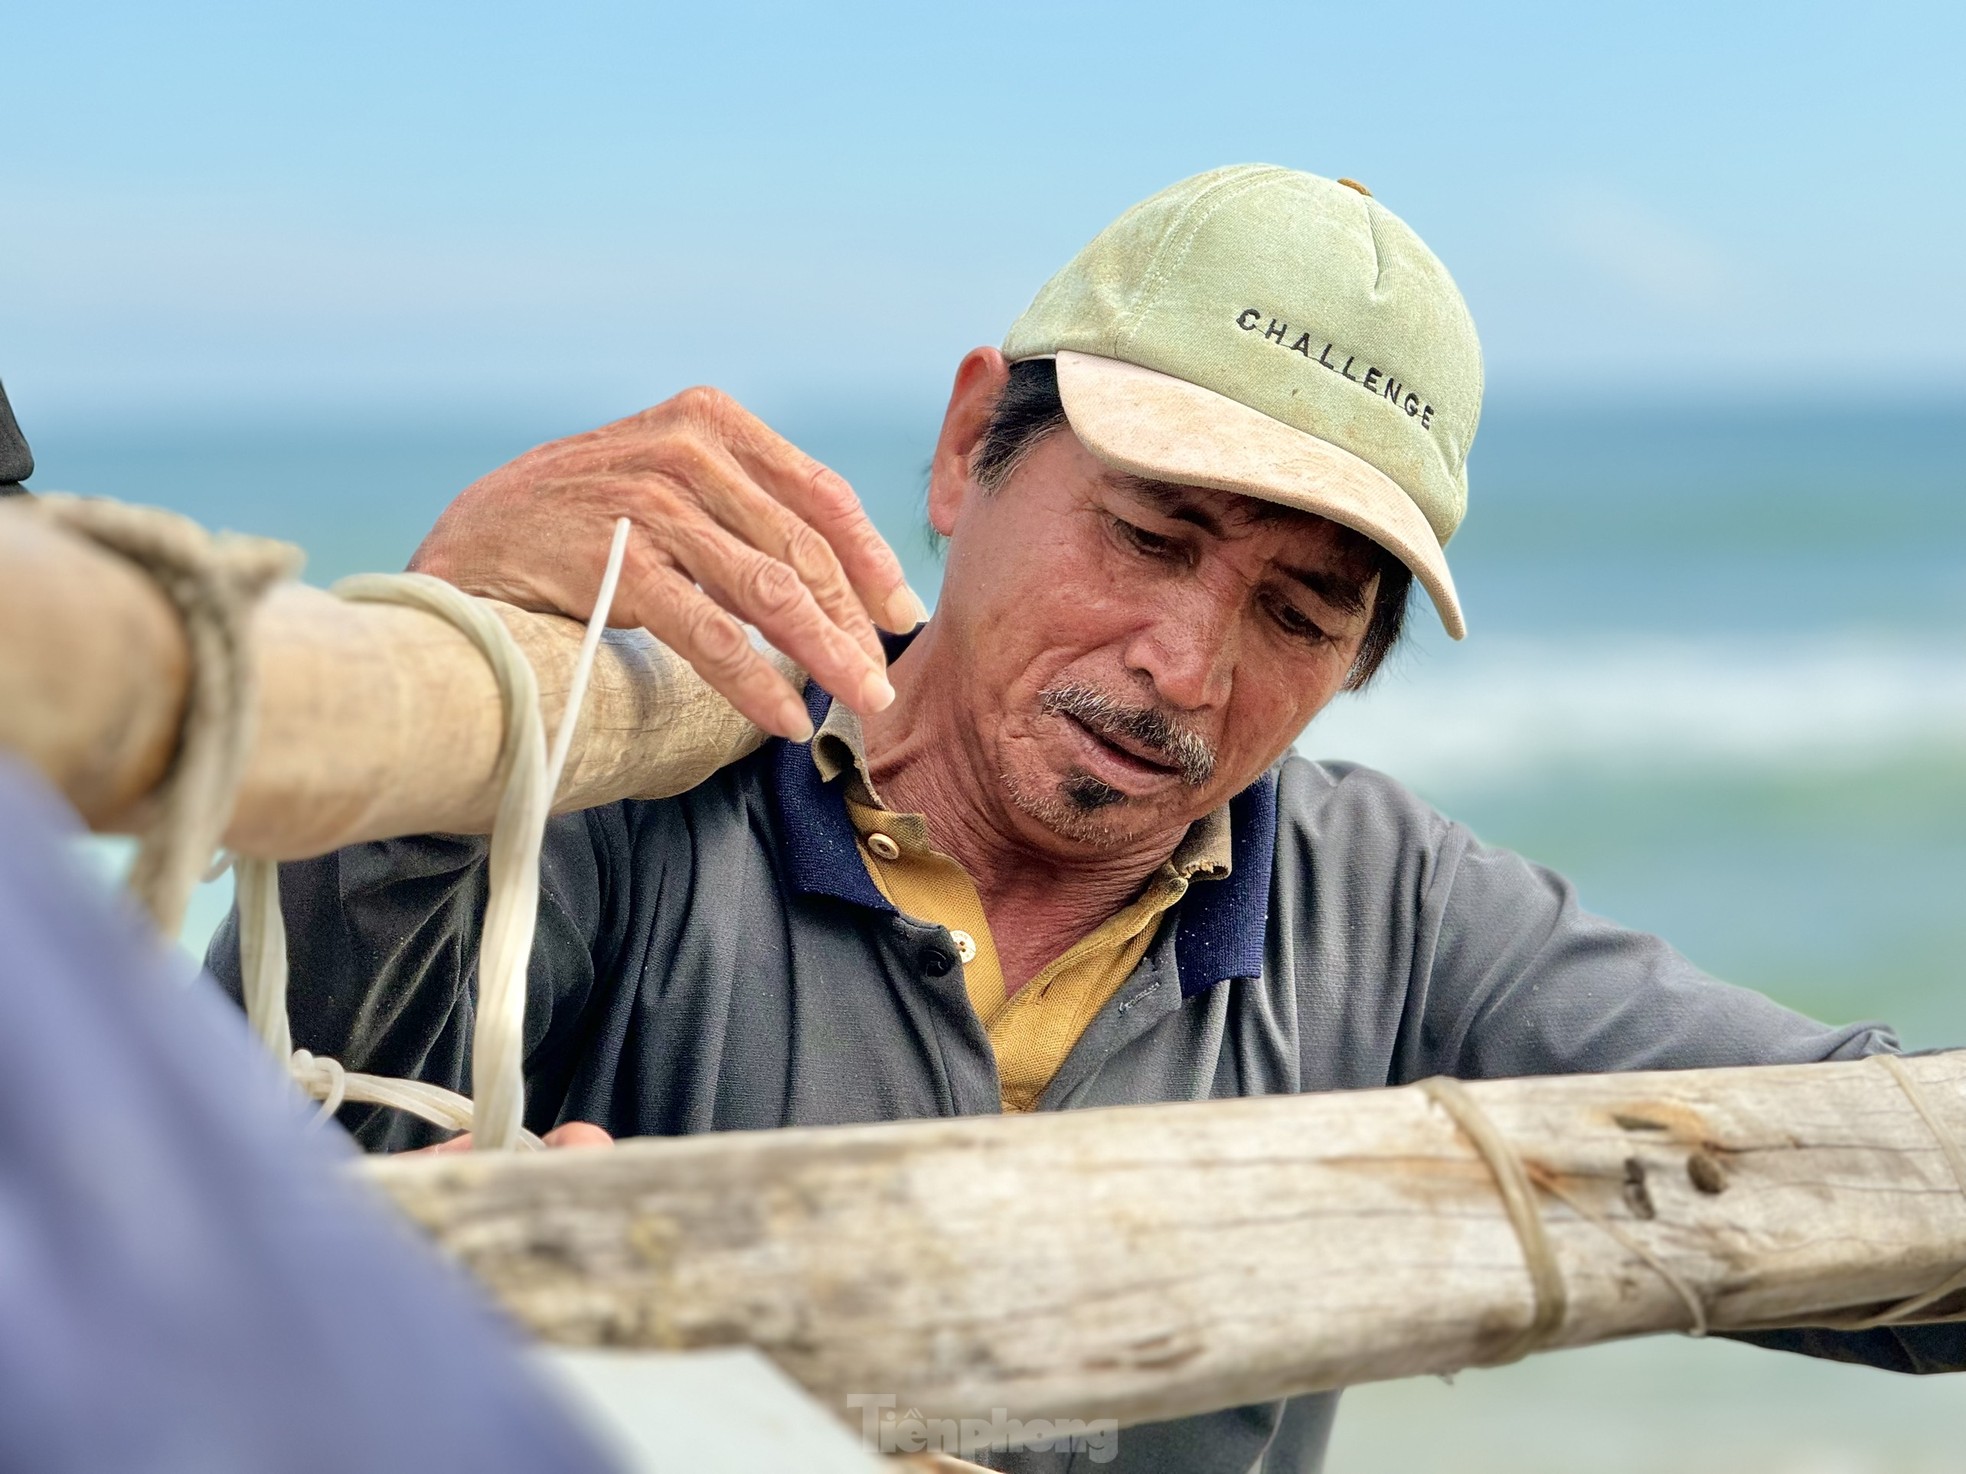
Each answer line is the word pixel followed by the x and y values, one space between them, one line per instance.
pixel 1507 711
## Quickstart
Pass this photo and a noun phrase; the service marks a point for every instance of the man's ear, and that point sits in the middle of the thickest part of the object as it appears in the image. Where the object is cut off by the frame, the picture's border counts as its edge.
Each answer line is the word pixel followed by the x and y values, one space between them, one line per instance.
pixel 980 379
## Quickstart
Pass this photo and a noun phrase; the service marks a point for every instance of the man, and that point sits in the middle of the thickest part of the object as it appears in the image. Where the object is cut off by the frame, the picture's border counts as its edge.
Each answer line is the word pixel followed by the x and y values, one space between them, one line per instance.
pixel 1054 855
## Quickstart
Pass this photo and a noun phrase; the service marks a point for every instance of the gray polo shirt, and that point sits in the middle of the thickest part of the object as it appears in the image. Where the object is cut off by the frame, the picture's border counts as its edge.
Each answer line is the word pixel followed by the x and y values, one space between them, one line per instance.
pixel 722 961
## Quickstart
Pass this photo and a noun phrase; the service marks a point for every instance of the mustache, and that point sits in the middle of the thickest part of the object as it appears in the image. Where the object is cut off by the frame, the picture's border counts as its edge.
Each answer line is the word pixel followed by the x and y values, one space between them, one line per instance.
pixel 1187 752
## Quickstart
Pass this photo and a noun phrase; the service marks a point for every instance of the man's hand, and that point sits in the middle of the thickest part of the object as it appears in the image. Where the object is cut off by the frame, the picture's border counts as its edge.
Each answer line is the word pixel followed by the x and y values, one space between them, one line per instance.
pixel 732 523
pixel 569 1134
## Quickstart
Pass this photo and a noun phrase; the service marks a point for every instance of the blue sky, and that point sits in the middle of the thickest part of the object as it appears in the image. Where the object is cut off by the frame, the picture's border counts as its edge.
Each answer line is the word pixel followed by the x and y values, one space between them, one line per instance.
pixel 223 209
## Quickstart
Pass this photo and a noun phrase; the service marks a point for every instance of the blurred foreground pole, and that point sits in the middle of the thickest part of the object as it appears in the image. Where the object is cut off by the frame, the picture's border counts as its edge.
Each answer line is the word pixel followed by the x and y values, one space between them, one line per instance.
pixel 1151 1262
pixel 188 1280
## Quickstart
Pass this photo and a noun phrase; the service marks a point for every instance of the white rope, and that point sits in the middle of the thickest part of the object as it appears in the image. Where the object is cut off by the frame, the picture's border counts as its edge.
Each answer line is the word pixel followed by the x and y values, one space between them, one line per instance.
pixel 1516 1178
pixel 263 952
pixel 583 666
pixel 1677 1282
pixel 213 582
pixel 1518 1181
pixel 1550 1297
pixel 498 1043
pixel 495 1115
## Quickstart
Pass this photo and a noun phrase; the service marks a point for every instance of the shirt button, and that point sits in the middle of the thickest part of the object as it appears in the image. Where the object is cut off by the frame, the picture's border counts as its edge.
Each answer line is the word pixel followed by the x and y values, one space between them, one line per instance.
pixel 965 946
pixel 884 847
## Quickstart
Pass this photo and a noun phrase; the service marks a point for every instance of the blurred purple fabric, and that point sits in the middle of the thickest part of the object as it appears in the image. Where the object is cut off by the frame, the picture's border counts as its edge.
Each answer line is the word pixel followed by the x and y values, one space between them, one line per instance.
pixel 189 1280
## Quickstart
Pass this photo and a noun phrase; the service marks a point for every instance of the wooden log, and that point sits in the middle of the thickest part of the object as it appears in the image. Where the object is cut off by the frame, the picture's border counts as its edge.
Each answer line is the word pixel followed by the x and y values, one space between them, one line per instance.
pixel 92 679
pixel 1151 1262
pixel 372 719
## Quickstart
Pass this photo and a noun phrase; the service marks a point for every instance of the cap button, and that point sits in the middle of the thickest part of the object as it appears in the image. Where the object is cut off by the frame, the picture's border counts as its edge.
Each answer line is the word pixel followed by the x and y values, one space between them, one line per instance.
pixel 1354 184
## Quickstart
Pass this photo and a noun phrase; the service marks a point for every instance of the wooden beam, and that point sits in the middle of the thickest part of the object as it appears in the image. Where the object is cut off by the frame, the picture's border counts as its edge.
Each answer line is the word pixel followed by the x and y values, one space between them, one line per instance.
pixel 372 719
pixel 1151 1262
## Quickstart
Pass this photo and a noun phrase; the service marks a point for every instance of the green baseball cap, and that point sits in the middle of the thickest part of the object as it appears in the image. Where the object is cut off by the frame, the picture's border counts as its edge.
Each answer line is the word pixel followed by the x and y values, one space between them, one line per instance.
pixel 1265 331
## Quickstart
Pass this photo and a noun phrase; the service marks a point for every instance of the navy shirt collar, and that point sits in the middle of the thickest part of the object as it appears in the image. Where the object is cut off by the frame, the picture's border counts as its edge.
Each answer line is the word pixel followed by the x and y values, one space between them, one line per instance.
pixel 821 849
pixel 1220 924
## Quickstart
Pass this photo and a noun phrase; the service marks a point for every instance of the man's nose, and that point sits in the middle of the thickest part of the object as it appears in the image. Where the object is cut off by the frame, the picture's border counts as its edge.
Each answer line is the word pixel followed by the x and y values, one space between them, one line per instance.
pixel 1186 646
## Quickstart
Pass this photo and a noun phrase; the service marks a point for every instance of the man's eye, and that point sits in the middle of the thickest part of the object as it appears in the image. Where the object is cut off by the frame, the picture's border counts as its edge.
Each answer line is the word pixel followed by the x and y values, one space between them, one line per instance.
pixel 1295 623
pixel 1150 543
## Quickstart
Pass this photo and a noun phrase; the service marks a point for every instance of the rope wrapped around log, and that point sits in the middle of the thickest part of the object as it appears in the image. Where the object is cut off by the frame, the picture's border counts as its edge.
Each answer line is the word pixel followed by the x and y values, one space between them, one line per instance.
pixel 348 698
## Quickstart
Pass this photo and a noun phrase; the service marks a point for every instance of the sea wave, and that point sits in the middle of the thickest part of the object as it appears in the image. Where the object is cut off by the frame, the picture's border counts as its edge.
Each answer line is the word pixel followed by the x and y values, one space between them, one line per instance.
pixel 1511 711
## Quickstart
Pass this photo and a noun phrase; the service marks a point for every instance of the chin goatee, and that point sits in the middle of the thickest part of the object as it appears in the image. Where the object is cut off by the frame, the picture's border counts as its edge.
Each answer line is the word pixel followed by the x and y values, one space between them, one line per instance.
pixel 1087 795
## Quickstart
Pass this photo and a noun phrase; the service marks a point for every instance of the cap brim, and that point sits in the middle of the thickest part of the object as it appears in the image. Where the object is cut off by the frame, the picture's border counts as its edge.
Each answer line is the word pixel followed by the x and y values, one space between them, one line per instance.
pixel 1152 424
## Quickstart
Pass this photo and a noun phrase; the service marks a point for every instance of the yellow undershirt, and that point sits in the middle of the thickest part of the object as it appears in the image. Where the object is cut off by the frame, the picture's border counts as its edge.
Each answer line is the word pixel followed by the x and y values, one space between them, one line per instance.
pixel 1033 1031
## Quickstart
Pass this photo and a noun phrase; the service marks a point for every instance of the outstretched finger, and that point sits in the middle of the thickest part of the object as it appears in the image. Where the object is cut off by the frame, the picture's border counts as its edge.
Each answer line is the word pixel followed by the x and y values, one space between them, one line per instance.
pixel 689 622
pixel 770 595
pixel 759 520
pixel 821 497
pixel 733 502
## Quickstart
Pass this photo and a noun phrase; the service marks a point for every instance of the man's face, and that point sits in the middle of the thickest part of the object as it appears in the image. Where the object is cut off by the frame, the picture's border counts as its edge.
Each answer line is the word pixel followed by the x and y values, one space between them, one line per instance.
pixel 1133 654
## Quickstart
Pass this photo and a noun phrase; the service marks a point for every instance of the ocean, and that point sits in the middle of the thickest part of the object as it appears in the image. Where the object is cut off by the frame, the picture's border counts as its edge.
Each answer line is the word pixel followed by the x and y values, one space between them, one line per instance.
pixel 1716 675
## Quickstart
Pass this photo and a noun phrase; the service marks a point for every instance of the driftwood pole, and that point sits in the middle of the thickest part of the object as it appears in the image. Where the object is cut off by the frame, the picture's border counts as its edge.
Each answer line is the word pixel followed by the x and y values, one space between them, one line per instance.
pixel 1150 1262
pixel 373 720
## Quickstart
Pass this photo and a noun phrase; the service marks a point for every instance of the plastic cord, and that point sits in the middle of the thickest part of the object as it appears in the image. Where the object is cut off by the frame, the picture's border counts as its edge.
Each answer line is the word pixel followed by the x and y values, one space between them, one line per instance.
pixel 495 1115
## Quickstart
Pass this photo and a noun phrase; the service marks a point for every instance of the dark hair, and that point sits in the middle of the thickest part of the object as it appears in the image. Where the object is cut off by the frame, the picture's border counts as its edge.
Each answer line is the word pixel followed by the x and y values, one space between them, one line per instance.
pixel 1029 409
